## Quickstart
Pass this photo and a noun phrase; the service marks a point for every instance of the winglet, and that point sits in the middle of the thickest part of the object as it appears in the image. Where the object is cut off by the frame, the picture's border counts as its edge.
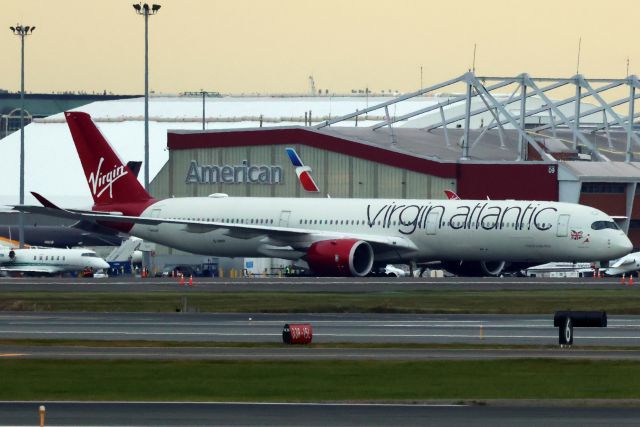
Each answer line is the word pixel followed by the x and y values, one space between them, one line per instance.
pixel 43 201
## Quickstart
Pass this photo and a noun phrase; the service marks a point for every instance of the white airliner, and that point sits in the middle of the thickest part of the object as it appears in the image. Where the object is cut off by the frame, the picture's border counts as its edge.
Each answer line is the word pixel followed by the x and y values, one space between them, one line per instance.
pixel 335 236
pixel 48 260
pixel 625 265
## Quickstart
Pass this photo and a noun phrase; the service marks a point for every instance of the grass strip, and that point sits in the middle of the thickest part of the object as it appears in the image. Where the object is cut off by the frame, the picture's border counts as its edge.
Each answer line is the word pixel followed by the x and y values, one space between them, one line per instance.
pixel 620 300
pixel 317 380
pixel 337 345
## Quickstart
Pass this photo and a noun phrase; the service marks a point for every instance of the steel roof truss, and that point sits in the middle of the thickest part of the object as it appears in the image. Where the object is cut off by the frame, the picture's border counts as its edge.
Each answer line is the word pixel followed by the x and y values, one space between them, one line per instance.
pixel 476 83
pixel 449 102
pixel 564 120
pixel 482 110
pixel 391 102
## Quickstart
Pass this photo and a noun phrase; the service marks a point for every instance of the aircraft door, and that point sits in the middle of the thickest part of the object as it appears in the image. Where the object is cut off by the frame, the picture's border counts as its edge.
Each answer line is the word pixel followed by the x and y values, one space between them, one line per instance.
pixel 563 226
pixel 432 222
pixel 284 219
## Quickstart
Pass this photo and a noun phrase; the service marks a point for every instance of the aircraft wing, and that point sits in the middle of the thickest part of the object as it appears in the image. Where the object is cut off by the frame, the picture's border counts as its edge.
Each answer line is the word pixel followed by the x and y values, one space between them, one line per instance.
pixel 8 243
pixel 298 238
pixel 626 260
pixel 48 269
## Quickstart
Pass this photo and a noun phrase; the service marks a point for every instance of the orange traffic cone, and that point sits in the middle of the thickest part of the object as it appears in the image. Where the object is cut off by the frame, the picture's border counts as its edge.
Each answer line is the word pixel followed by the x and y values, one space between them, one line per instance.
pixel 631 279
pixel 191 280
pixel 623 280
pixel 181 280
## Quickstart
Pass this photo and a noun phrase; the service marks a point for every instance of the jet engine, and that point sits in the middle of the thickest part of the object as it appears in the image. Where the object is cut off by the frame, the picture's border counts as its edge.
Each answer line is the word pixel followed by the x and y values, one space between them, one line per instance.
pixel 475 268
pixel 340 257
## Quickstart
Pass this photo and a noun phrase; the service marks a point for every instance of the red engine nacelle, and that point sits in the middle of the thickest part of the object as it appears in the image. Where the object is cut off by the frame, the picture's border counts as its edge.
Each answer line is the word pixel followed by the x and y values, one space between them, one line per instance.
pixel 340 257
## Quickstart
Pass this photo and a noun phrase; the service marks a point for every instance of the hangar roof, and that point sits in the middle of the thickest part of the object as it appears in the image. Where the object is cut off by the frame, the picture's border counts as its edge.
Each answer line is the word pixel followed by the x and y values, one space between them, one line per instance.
pixel 431 145
pixel 603 171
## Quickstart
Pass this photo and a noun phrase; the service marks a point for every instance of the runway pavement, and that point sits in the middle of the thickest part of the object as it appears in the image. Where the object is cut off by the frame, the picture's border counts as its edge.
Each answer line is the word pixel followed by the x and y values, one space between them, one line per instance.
pixel 267 414
pixel 298 284
pixel 327 328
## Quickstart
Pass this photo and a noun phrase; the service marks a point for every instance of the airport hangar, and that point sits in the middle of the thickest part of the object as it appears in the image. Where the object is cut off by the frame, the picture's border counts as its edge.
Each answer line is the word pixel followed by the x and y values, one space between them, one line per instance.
pixel 551 156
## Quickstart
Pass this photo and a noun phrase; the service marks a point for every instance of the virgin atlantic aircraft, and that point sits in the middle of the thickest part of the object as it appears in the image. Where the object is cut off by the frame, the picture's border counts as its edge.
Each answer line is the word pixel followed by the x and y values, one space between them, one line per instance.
pixel 345 237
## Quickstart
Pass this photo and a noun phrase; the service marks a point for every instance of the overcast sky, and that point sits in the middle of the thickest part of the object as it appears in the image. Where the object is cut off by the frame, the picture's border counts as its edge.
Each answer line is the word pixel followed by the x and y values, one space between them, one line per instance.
pixel 272 46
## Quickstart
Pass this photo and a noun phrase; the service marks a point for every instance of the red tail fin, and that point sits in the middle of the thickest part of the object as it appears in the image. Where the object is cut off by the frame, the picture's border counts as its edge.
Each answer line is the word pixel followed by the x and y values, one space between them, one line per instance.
pixel 110 182
pixel 451 195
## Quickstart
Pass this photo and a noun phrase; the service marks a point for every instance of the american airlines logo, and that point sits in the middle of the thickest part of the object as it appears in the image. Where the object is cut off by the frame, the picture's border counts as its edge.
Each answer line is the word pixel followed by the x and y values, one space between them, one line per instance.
pixel 101 182
pixel 303 172
pixel 233 174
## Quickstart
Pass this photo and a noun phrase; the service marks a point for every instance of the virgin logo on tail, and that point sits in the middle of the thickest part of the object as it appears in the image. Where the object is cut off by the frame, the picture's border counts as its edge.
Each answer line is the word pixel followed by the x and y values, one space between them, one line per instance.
pixel 101 182
pixel 303 172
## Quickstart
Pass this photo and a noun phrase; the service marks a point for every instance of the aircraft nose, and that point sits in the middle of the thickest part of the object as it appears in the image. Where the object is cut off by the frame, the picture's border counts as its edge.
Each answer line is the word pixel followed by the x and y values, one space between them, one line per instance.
pixel 623 245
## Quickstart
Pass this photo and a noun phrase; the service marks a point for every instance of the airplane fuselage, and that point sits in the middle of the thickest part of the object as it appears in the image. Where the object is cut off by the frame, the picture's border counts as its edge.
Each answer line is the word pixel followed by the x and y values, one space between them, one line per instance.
pixel 49 260
pixel 479 230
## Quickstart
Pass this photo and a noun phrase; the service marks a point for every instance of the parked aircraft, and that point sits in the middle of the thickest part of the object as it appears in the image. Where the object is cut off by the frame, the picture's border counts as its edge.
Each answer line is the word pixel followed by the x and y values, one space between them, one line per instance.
pixel 625 265
pixel 337 236
pixel 49 260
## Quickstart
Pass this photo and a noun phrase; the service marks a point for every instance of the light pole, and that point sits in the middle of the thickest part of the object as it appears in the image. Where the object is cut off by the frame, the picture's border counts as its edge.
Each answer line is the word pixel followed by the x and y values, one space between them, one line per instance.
pixel 204 94
pixel 22 31
pixel 145 10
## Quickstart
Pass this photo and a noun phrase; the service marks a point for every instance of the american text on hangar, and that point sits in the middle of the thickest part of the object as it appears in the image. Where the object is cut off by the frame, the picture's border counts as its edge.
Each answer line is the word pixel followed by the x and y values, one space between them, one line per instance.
pixel 234 174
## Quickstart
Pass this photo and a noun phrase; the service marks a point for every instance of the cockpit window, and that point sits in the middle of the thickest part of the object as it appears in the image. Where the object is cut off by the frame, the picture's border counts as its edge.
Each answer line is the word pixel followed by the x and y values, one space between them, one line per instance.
pixel 601 225
pixel 89 254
